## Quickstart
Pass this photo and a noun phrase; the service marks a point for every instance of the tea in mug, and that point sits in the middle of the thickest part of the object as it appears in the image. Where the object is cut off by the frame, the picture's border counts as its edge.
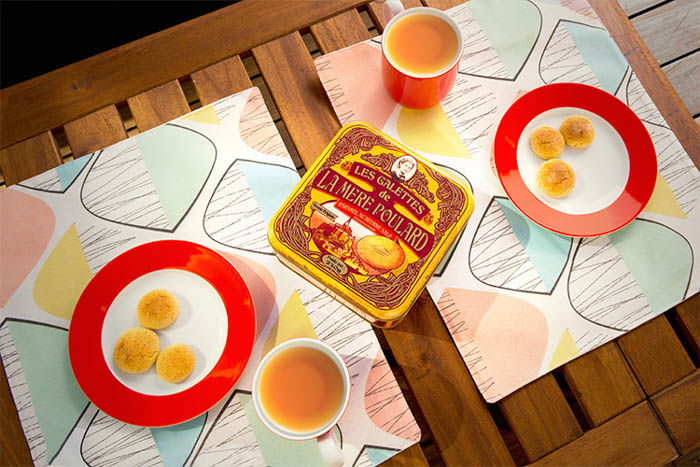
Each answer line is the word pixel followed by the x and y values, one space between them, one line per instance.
pixel 421 44
pixel 301 389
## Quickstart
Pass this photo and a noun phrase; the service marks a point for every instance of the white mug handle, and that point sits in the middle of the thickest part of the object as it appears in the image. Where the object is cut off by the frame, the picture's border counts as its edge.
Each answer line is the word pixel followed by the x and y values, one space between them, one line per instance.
pixel 330 451
pixel 391 9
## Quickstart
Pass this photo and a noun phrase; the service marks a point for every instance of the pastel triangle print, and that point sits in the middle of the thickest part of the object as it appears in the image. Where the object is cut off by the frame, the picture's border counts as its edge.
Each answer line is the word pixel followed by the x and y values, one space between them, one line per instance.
pixel 430 131
pixel 205 114
pixel 293 322
pixel 663 200
pixel 566 350
pixel 63 276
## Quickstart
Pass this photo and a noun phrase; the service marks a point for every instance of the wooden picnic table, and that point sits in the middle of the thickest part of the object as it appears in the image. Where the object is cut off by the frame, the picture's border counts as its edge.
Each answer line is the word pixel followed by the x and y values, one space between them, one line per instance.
pixel 631 401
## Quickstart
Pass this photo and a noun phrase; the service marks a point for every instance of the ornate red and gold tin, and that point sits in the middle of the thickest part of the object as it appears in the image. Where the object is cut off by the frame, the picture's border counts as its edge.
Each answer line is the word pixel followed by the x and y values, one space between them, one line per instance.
pixel 369 223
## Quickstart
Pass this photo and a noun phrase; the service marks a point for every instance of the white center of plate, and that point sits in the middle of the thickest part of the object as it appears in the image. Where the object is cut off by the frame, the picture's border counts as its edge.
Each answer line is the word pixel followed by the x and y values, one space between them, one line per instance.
pixel 202 324
pixel 602 169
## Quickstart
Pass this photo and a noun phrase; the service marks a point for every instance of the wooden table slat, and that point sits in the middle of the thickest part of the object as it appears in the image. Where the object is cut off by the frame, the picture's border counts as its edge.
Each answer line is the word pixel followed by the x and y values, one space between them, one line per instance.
pixel 29 157
pixel 603 383
pixel 671 30
pixel 220 80
pixel 95 131
pixel 540 417
pixel 456 413
pixel 63 95
pixel 655 354
pixel 158 105
pixel 683 75
pixel 678 409
pixel 633 438
pixel 340 31
pixel 290 75
pixel 688 317
pixel 631 7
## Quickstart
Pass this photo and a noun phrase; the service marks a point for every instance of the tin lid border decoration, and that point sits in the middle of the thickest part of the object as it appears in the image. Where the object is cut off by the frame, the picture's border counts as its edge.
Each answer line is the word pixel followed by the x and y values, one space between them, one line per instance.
pixel 430 209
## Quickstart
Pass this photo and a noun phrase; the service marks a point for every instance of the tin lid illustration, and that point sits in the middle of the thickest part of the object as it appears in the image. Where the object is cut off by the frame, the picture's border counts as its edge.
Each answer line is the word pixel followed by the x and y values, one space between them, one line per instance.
pixel 369 222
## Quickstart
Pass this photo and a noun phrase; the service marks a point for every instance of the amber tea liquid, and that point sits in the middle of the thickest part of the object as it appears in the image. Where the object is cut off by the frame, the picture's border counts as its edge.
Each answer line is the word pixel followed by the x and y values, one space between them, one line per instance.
pixel 301 389
pixel 421 44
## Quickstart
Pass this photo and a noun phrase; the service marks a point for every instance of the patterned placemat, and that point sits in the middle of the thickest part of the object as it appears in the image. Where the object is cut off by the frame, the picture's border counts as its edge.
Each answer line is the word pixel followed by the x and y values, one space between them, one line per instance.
pixel 214 176
pixel 520 300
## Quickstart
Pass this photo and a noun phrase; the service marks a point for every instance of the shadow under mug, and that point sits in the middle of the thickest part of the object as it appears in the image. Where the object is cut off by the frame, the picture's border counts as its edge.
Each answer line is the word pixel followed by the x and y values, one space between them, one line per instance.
pixel 412 90
pixel 327 444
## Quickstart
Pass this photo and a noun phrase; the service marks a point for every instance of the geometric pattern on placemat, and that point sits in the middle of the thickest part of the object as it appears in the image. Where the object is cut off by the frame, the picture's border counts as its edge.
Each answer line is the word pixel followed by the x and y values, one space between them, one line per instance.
pixel 58 180
pixel 473 111
pixel 22 397
pixel 499 36
pixel 244 202
pixel 257 128
pixel 511 252
pixel 176 443
pixel 151 180
pixel 108 442
pixel 370 456
pixel 43 380
pixel 385 404
pixel 676 167
pixel 474 317
pixel 612 285
pixel 580 53
pixel 230 440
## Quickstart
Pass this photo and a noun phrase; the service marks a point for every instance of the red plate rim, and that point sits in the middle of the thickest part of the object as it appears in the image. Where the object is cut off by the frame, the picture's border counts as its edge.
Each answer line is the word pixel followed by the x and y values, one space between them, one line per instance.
pixel 643 165
pixel 85 334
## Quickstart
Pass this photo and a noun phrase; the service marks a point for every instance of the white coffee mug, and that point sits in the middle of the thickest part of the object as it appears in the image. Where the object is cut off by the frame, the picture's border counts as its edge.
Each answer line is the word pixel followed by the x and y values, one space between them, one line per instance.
pixel 327 444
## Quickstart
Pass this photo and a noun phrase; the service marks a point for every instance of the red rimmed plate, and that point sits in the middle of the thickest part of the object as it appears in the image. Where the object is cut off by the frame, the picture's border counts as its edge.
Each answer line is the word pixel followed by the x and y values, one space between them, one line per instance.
pixel 217 320
pixel 615 175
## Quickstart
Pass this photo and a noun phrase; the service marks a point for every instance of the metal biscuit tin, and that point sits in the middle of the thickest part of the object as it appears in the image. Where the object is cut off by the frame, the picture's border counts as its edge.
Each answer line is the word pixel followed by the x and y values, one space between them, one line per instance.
pixel 369 222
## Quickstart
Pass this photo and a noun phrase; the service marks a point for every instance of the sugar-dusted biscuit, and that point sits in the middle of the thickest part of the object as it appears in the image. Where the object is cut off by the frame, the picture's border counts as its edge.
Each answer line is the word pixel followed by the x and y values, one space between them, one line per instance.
pixel 157 309
pixel 380 252
pixel 136 350
pixel 546 142
pixel 175 363
pixel 578 131
pixel 556 178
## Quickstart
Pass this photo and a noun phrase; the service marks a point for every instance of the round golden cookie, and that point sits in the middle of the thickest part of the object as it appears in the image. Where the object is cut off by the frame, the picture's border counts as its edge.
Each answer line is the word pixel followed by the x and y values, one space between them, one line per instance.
pixel 175 363
pixel 578 131
pixel 136 350
pixel 546 142
pixel 380 252
pixel 556 178
pixel 157 309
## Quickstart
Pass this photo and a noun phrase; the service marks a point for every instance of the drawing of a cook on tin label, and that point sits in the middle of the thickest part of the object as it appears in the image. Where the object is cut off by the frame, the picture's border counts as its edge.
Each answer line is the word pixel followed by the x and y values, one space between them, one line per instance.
pixel 404 168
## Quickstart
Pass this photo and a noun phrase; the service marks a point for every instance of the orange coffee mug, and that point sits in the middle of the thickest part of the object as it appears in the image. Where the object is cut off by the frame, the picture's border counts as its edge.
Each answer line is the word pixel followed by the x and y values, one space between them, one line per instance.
pixel 417 90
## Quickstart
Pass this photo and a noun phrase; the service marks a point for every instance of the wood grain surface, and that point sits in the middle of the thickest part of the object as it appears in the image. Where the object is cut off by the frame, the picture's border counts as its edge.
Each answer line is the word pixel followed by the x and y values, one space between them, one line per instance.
pixel 540 417
pixel 29 157
pixel 220 80
pixel 603 383
pixel 63 95
pixel 655 354
pixel 291 77
pixel 671 29
pixel 148 111
pixel 633 438
pixel 95 131
pixel 678 408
